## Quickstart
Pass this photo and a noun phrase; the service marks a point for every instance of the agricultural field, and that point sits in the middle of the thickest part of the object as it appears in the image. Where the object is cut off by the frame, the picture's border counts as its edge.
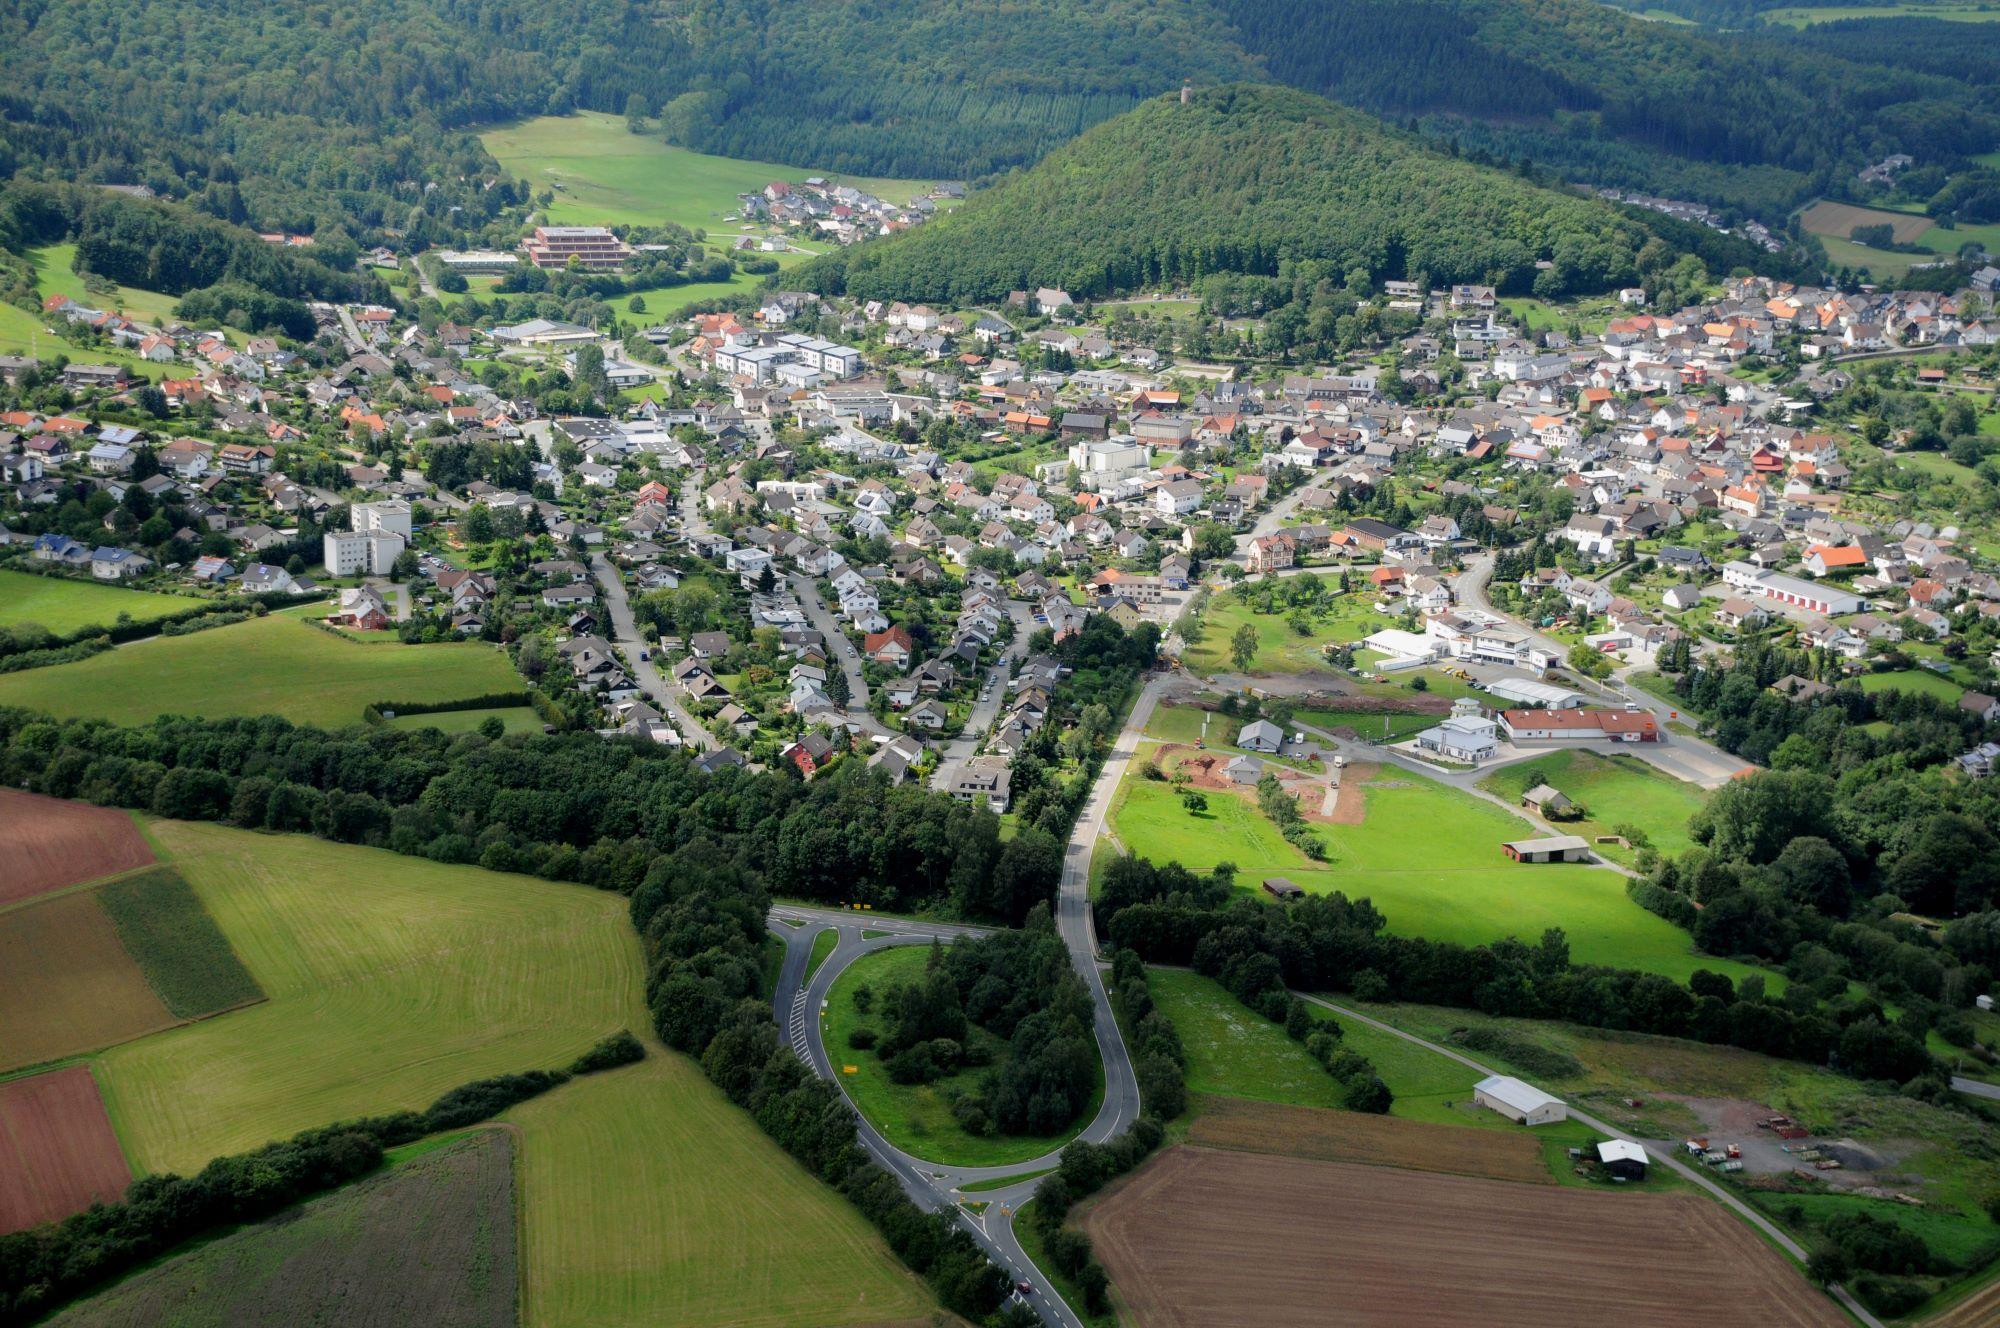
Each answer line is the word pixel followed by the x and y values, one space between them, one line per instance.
pixel 274 665
pixel 515 719
pixel 64 605
pixel 605 175
pixel 1510 1153
pixel 430 1241
pixel 1801 16
pixel 915 1117
pixel 1429 857
pixel 367 1011
pixel 185 957
pixel 648 1199
pixel 1839 219
pixel 67 984
pixel 57 1151
pixel 1834 224
pixel 52 844
pixel 1614 791
pixel 1202 1236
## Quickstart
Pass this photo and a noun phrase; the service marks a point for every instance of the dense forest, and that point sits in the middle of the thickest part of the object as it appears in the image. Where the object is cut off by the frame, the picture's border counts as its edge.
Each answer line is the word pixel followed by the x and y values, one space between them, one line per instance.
pixel 1247 178
pixel 354 118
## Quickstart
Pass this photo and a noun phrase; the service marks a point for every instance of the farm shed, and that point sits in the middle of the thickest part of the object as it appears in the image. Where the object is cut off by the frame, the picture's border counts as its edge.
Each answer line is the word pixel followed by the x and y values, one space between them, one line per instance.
pixel 1623 1159
pixel 1555 848
pixel 1281 887
pixel 1518 1102
pixel 1544 800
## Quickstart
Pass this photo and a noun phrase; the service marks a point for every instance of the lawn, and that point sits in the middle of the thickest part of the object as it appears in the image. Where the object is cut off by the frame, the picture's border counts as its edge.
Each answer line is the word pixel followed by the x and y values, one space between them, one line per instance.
pixel 24 333
pixel 916 1117
pixel 1920 681
pixel 648 1199
pixel 603 174
pixel 1429 857
pixel 274 665
pixel 390 980
pixel 63 605
pixel 515 719
pixel 1280 647
pixel 1614 790
pixel 1371 725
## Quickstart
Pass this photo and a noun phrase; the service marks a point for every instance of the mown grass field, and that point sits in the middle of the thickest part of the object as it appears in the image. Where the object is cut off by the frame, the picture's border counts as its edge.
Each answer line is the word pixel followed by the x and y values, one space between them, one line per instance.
pixel 1232 1052
pixel 515 719
pixel 63 605
pixel 391 979
pixel 605 175
pixel 275 665
pixel 1919 681
pixel 54 275
pixel 916 1117
pixel 24 333
pixel 1614 790
pixel 432 1241
pixel 649 1199
pixel 1430 859
pixel 1806 15
pixel 184 955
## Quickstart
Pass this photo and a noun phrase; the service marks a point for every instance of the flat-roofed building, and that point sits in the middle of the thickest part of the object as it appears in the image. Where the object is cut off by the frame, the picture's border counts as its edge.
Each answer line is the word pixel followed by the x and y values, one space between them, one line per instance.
pixel 593 247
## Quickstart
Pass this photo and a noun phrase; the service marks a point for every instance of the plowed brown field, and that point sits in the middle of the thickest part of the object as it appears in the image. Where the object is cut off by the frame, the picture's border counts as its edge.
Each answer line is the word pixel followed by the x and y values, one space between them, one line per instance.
pixel 57 1151
pixel 67 984
pixel 1216 1239
pixel 47 843
pixel 1383 1141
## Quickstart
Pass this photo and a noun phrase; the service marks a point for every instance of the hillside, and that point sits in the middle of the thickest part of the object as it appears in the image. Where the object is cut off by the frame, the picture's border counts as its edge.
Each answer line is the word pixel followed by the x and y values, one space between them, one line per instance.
pixel 260 119
pixel 1243 179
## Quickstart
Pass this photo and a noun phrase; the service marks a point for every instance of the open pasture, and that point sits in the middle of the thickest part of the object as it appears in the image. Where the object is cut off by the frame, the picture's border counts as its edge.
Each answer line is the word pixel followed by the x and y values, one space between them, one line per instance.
pixel 275 665
pixel 53 844
pixel 1615 791
pixel 1839 219
pixel 57 1151
pixel 67 984
pixel 1219 1239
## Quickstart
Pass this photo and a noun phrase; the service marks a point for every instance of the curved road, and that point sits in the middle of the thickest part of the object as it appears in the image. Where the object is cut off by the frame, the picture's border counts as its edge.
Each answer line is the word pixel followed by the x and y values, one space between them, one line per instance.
pixel 933 1185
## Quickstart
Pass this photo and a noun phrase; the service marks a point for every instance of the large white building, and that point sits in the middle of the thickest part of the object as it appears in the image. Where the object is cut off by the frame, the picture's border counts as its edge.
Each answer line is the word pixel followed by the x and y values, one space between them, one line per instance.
pixel 1518 1102
pixel 1103 462
pixel 1812 596
pixel 786 356
pixel 380 532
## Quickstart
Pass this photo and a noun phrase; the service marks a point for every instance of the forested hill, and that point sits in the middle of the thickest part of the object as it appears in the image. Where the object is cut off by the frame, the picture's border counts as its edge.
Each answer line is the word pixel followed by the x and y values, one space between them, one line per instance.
pixel 1245 178
pixel 311 115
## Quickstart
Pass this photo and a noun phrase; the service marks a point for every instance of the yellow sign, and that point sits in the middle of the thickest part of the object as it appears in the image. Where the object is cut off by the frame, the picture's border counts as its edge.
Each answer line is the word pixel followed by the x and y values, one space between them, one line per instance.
pixel 850 1069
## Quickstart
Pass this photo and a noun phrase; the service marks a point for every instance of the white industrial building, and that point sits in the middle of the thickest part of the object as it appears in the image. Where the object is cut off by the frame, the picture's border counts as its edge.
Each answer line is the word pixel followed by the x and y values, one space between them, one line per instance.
pixel 1518 1102
pixel 1102 463
pixel 1467 738
pixel 786 356
pixel 1534 694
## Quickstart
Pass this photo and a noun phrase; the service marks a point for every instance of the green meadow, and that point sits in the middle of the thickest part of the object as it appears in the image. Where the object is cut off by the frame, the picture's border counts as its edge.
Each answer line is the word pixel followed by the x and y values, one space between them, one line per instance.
pixel 1613 790
pixel 1429 857
pixel 63 604
pixel 275 665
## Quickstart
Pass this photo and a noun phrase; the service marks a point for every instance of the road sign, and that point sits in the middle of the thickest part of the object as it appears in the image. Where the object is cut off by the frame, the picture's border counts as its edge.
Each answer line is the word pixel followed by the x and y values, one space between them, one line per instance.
pixel 850 1069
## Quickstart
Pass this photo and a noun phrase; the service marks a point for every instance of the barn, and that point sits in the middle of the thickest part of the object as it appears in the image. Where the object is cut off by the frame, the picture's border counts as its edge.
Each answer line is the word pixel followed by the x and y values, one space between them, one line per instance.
pixel 1283 888
pixel 1518 1102
pixel 1623 1159
pixel 1555 848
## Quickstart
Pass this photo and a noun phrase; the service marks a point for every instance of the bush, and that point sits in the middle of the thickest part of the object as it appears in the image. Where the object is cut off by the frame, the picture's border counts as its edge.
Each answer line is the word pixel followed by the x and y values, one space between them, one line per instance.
pixel 862 1038
pixel 621 1048
pixel 1891 1297
pixel 1536 1059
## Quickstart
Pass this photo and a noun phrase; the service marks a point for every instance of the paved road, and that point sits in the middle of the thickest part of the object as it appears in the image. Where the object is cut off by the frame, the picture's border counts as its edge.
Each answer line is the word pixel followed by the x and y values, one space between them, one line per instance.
pixel 966 745
pixel 844 653
pixel 1975 1087
pixel 930 1184
pixel 1756 1219
pixel 630 641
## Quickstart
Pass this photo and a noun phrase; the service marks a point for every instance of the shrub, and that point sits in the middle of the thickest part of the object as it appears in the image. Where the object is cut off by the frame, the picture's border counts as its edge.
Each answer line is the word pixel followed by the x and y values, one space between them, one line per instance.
pixel 862 1038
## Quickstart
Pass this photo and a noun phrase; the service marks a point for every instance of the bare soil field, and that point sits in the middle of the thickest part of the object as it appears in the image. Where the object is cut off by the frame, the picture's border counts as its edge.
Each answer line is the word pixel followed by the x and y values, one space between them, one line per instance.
pixel 68 984
pixel 58 1154
pixel 1211 1238
pixel 52 844
pixel 1350 805
pixel 1840 219
pixel 1347 1136
pixel 428 1242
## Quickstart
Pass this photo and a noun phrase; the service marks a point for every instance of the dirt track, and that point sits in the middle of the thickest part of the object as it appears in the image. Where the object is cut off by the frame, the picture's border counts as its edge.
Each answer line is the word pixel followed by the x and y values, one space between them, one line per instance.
pixel 51 844
pixel 1217 1239
pixel 57 1151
